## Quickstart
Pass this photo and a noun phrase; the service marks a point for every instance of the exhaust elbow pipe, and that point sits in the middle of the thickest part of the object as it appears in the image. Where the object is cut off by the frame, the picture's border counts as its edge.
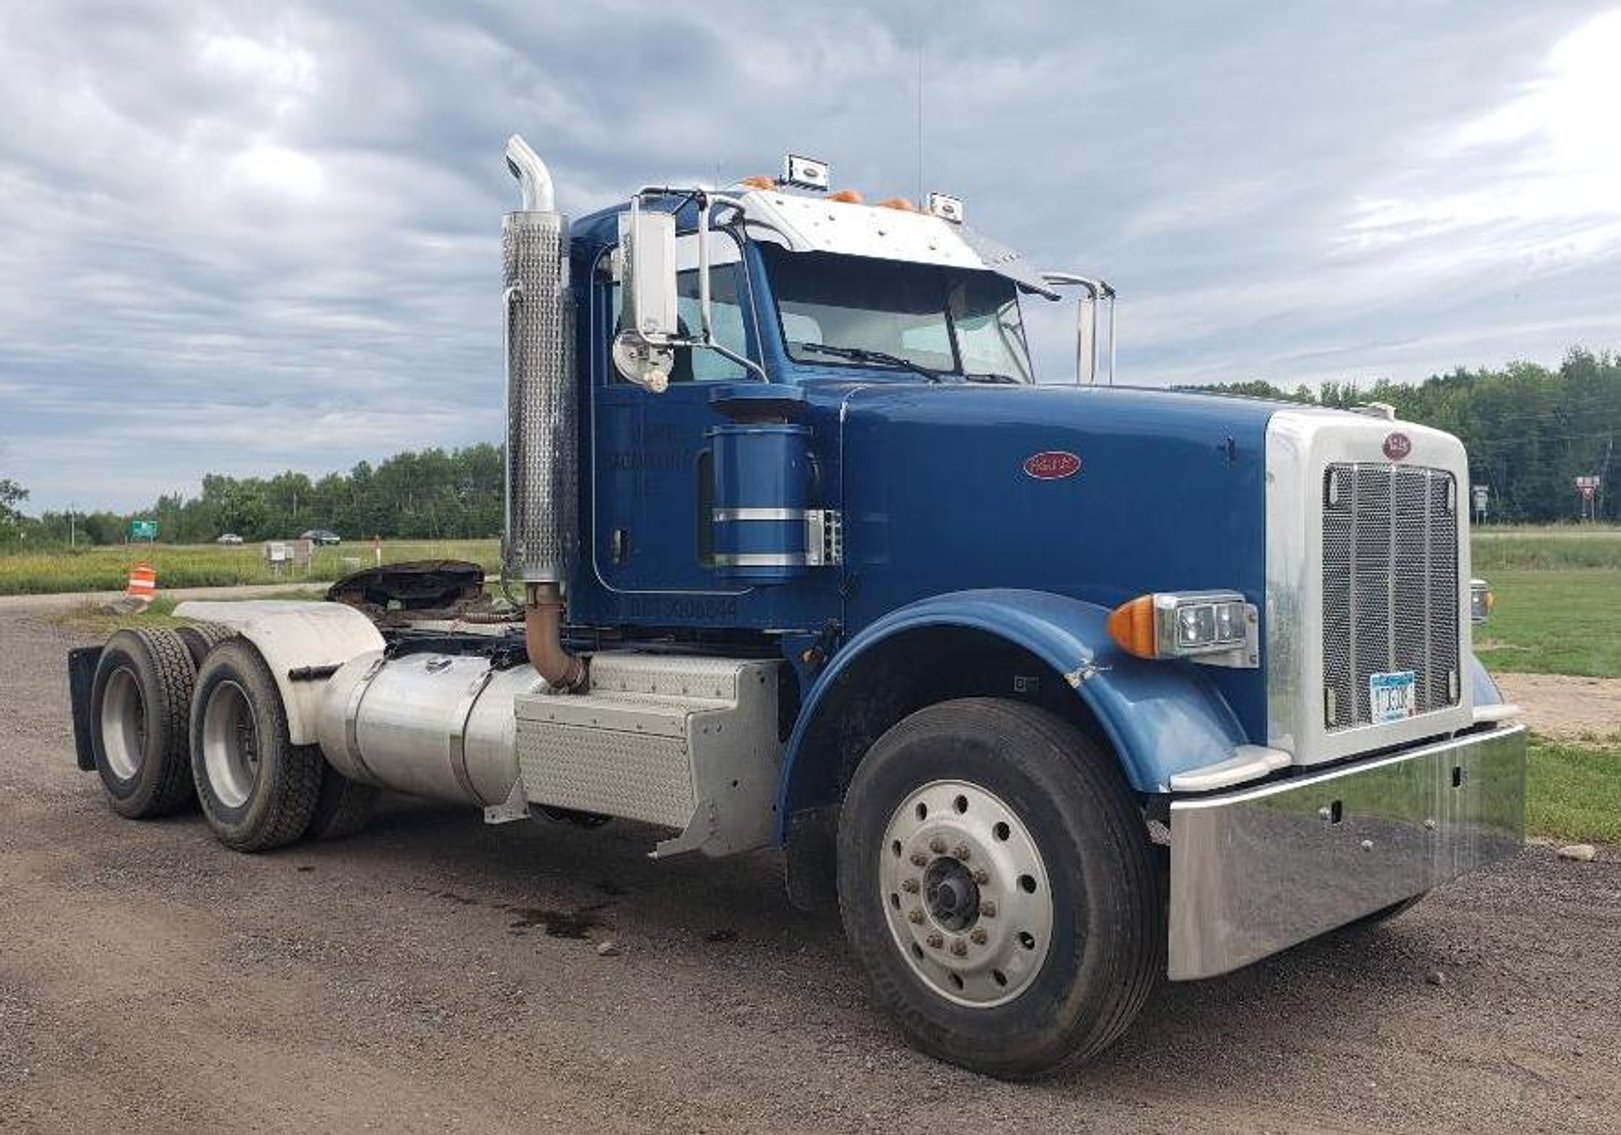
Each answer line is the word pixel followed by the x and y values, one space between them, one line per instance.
pixel 534 179
pixel 543 638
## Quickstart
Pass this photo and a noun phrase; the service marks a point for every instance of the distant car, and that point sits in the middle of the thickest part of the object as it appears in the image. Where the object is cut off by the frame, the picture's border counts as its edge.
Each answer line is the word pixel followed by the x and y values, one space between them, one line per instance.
pixel 320 536
pixel 228 538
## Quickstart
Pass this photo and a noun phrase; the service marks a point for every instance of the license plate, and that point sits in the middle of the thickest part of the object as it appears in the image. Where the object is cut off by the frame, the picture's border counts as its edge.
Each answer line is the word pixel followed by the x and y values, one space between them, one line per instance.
pixel 1392 696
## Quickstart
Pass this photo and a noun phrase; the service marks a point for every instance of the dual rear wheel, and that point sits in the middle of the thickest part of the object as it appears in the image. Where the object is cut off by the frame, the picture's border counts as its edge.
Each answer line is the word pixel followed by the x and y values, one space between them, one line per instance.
pixel 194 715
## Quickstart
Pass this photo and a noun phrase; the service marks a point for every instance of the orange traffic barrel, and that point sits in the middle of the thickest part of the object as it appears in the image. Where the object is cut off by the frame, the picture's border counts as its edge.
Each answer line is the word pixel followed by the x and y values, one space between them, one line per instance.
pixel 143 582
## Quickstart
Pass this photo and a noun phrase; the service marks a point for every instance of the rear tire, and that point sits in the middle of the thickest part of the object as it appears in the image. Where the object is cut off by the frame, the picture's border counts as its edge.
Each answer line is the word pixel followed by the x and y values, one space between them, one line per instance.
pixel 139 700
pixel 258 790
pixel 200 638
pixel 997 885
pixel 342 806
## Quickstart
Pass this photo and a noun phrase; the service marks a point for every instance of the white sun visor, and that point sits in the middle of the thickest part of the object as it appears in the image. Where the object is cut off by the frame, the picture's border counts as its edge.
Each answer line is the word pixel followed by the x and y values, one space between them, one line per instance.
pixel 817 224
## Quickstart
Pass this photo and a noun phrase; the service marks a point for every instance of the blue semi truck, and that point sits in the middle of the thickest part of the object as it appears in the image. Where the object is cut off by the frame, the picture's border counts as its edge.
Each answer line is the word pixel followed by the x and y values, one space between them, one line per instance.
pixel 1051 692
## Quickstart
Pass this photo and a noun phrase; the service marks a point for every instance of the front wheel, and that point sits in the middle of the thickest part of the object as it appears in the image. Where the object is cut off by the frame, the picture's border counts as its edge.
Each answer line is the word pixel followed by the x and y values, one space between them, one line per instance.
pixel 996 883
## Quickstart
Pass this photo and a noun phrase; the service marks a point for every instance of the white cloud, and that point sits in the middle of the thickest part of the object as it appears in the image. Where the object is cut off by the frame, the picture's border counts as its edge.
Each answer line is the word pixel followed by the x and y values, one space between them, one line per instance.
pixel 279 224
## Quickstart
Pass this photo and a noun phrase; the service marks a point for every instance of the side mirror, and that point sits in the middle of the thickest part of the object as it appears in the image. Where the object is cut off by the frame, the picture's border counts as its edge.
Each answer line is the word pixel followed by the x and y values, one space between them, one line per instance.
pixel 1094 294
pixel 647 268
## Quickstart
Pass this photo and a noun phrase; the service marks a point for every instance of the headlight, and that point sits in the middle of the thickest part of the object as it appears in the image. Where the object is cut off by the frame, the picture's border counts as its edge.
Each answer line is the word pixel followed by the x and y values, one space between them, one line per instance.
pixel 1481 600
pixel 1217 628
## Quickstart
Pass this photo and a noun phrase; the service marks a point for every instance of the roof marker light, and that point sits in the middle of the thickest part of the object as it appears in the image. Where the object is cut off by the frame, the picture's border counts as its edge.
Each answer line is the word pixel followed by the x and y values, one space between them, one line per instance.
pixel 846 196
pixel 900 203
pixel 806 173
pixel 946 207
pixel 759 181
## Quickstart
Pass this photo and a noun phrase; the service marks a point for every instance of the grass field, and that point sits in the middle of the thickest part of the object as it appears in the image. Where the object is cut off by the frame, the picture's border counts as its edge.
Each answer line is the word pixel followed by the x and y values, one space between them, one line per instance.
pixel 1573 790
pixel 209 565
pixel 1565 621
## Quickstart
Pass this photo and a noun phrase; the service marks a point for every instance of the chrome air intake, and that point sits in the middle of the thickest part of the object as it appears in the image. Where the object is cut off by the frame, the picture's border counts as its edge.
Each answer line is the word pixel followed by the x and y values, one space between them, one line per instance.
pixel 542 471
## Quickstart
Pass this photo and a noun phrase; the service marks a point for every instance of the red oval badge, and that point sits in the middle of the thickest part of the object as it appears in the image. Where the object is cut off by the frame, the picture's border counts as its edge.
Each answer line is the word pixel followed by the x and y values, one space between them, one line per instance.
pixel 1397 446
pixel 1052 465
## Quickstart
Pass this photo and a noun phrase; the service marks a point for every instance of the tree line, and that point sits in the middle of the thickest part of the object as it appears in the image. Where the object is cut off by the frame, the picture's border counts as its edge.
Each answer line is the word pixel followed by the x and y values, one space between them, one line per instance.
pixel 1530 431
pixel 436 494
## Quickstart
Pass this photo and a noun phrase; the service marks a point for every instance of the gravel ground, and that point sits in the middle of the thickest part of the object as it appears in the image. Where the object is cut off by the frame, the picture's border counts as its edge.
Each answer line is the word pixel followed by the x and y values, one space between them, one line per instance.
pixel 434 974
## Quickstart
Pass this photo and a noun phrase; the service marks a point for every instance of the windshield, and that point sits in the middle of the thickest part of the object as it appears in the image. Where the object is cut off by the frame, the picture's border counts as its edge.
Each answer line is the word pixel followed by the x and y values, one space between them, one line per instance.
pixel 944 320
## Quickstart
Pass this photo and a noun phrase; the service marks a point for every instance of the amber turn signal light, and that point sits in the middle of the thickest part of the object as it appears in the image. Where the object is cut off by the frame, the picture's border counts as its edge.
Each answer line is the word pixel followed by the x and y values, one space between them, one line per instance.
pixel 1131 625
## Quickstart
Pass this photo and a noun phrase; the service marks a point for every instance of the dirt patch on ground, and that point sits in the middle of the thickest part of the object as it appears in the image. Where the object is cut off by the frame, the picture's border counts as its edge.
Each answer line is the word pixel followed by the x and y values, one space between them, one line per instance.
pixel 1566 707
pixel 433 973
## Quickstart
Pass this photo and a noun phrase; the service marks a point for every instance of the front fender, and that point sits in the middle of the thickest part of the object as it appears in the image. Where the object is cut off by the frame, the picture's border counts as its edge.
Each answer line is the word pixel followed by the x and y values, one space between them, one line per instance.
pixel 1161 717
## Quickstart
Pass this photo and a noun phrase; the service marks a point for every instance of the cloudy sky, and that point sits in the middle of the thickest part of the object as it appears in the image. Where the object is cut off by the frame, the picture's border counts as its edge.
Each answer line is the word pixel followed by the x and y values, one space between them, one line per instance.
pixel 242 237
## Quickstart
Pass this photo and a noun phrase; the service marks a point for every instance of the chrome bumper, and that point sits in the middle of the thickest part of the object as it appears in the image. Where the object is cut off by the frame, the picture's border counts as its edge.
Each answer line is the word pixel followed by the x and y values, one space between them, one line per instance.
pixel 1255 871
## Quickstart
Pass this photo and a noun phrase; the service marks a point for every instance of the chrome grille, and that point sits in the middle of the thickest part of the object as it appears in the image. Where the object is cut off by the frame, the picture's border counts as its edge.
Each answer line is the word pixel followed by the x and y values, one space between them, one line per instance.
pixel 1390 586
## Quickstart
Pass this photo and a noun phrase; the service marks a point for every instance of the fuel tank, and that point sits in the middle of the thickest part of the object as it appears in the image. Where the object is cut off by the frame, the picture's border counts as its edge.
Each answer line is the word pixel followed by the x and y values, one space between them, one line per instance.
pixel 436 725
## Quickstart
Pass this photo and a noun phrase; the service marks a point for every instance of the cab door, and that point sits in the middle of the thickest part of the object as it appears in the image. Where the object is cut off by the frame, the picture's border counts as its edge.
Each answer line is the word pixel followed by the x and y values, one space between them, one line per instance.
pixel 652 495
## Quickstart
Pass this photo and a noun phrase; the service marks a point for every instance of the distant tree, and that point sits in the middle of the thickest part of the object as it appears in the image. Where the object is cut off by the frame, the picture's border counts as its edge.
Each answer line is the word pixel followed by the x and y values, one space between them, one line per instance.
pixel 11 517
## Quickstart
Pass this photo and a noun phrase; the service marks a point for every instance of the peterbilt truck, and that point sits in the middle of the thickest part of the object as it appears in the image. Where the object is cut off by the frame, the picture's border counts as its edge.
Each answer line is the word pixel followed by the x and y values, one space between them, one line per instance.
pixel 1052 692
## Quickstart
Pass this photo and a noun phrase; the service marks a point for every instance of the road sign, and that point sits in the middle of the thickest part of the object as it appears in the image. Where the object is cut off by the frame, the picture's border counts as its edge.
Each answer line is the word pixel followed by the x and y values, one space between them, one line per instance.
pixel 1482 495
pixel 143 530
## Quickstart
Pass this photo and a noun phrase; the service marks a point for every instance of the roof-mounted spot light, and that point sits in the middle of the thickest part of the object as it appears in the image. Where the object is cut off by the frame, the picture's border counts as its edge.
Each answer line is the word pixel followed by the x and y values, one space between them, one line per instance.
pixel 946 207
pixel 806 173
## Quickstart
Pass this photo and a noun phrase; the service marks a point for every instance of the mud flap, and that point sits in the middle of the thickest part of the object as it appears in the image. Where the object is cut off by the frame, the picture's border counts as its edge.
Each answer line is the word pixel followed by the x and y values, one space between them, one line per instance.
pixel 81 676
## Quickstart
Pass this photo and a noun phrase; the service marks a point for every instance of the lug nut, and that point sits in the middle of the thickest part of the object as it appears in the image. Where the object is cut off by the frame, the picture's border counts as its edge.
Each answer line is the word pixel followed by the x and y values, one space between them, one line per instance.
pixel 987 909
pixel 982 876
pixel 935 941
pixel 961 851
pixel 959 947
pixel 919 859
pixel 914 916
pixel 979 936
pixel 937 845
pixel 909 886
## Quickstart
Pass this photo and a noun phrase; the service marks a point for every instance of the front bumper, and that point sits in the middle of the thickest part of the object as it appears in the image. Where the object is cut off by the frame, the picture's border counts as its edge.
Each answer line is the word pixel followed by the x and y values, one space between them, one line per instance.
pixel 1255 871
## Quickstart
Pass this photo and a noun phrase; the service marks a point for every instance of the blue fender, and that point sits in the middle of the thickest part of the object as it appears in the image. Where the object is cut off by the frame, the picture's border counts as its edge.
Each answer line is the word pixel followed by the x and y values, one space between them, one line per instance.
pixel 1161 717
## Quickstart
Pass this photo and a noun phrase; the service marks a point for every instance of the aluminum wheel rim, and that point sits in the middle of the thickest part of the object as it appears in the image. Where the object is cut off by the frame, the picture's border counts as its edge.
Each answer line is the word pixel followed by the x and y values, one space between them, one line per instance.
pixel 978 943
pixel 230 744
pixel 123 724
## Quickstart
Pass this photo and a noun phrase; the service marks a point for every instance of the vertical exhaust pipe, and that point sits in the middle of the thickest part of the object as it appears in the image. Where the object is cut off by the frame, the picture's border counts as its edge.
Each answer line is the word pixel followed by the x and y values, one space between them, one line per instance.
pixel 542 474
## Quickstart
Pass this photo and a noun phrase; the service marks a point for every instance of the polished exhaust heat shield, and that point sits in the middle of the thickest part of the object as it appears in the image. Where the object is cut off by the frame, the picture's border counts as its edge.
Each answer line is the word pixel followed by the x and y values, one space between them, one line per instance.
pixel 542 468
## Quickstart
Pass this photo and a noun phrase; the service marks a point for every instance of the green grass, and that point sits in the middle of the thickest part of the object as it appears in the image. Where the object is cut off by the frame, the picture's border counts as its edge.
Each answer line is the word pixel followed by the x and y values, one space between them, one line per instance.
pixel 1573 790
pixel 209 565
pixel 1554 622
pixel 1549 548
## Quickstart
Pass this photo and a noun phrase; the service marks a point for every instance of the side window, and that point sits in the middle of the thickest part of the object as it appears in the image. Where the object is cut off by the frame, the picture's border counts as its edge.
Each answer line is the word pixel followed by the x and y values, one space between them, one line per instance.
pixel 725 309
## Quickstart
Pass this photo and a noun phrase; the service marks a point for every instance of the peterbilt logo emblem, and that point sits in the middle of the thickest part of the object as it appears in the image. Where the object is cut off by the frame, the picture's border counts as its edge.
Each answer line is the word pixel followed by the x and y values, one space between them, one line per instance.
pixel 1398 446
pixel 1051 465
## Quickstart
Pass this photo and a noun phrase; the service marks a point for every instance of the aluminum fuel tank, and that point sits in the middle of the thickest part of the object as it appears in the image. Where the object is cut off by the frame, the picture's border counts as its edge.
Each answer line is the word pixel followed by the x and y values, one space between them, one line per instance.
pixel 436 725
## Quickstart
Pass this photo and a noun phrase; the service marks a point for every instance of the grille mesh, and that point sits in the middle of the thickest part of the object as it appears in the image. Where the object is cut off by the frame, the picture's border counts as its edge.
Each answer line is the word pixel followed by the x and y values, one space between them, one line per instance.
pixel 1390 586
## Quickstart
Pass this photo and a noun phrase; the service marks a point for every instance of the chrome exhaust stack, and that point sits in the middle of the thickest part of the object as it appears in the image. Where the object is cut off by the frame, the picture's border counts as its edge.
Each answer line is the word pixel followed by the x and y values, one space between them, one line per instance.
pixel 542 474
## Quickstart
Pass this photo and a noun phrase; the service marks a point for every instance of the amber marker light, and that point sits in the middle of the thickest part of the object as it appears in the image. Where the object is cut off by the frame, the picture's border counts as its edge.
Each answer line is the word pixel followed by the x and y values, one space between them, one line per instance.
pixel 1214 628
pixel 1131 625
pixel 900 203
pixel 759 181
pixel 846 196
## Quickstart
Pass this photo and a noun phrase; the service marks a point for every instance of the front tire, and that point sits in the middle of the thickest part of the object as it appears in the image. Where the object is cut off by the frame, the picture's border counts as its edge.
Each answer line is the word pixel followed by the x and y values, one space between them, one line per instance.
pixel 258 790
pixel 996 883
